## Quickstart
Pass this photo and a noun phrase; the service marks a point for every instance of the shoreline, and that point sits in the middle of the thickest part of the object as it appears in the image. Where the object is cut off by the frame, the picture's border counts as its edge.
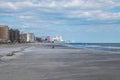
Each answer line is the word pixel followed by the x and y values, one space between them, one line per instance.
pixel 14 49
pixel 21 47
pixel 24 46
pixel 42 62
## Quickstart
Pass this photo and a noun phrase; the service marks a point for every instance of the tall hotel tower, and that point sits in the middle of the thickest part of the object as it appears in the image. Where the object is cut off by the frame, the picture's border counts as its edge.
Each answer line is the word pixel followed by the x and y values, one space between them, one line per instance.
pixel 4 33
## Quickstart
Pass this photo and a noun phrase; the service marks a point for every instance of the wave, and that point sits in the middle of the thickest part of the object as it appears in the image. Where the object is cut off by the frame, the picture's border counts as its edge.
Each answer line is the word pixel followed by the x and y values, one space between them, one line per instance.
pixel 114 47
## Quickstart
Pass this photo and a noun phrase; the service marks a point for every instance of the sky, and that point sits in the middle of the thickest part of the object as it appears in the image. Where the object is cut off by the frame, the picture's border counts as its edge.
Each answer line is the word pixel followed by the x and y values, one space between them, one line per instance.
pixel 75 20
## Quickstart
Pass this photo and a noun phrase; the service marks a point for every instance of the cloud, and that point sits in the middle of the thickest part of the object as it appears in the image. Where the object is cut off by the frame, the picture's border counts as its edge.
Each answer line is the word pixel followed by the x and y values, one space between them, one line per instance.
pixel 103 28
pixel 26 4
pixel 25 26
pixel 60 4
pixel 91 4
pixel 25 17
pixel 73 3
pixel 61 12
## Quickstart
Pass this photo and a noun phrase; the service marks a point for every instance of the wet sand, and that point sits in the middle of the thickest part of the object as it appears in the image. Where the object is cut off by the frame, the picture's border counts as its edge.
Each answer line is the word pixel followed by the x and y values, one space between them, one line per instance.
pixel 41 62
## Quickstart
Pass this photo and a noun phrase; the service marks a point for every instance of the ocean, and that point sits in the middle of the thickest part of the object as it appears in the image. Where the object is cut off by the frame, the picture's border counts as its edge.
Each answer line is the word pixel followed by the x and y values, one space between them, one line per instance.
pixel 109 47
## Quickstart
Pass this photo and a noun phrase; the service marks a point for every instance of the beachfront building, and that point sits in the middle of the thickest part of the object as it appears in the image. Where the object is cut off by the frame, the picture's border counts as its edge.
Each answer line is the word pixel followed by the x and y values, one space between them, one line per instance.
pixel 27 37
pixel 4 33
pixel 57 38
pixel 38 39
pixel 23 37
pixel 14 35
pixel 30 37
pixel 46 39
pixel 17 35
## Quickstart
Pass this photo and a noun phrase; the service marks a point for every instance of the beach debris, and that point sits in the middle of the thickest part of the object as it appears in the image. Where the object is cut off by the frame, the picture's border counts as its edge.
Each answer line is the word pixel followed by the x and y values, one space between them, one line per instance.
pixel 11 54
pixel 1 56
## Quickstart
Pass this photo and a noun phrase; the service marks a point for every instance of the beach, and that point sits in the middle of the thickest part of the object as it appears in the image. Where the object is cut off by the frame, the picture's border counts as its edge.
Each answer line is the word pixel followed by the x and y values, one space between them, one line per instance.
pixel 39 61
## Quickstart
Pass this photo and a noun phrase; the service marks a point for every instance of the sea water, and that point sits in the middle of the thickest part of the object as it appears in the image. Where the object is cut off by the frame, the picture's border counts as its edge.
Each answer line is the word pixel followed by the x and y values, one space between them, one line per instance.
pixel 110 47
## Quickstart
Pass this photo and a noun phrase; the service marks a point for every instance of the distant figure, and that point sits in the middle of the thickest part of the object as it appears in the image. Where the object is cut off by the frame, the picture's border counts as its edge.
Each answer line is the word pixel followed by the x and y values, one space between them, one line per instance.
pixel 53 46
pixel 52 41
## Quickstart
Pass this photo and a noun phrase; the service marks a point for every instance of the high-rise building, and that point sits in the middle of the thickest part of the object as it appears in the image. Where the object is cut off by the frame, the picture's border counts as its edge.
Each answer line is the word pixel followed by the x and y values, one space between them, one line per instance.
pixel 23 37
pixel 38 39
pixel 4 33
pixel 11 32
pixel 27 37
pixel 58 38
pixel 30 37
pixel 17 35
pixel 14 35
pixel 47 38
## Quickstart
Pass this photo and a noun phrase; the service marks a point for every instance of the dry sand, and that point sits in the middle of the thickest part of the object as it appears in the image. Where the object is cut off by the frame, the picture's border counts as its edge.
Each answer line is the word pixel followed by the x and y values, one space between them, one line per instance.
pixel 41 62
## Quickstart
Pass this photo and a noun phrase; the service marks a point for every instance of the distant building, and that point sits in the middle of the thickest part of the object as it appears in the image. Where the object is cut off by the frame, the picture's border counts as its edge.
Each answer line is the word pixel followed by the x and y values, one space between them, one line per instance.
pixel 58 38
pixel 11 33
pixel 27 37
pixel 23 37
pixel 4 33
pixel 30 37
pixel 38 39
pixel 17 35
pixel 46 39
pixel 14 35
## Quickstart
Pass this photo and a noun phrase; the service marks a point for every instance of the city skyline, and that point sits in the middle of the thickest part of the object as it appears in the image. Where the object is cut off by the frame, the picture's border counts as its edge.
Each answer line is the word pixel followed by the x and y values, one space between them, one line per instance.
pixel 75 20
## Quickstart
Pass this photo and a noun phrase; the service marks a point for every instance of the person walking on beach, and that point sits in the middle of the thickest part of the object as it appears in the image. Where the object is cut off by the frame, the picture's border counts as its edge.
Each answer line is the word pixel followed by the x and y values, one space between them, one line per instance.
pixel 53 46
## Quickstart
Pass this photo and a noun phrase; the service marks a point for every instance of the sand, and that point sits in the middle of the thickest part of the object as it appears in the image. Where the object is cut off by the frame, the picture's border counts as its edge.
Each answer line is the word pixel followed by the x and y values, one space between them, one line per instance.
pixel 42 62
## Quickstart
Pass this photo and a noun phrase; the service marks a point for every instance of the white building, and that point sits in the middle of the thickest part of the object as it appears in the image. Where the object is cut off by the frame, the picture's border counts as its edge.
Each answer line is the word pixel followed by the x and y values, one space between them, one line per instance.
pixel 27 37
pixel 30 37
pixel 58 38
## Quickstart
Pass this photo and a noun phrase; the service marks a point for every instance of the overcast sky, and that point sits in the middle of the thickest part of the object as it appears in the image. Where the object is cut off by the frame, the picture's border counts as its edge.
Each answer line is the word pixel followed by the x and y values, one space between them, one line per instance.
pixel 75 20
